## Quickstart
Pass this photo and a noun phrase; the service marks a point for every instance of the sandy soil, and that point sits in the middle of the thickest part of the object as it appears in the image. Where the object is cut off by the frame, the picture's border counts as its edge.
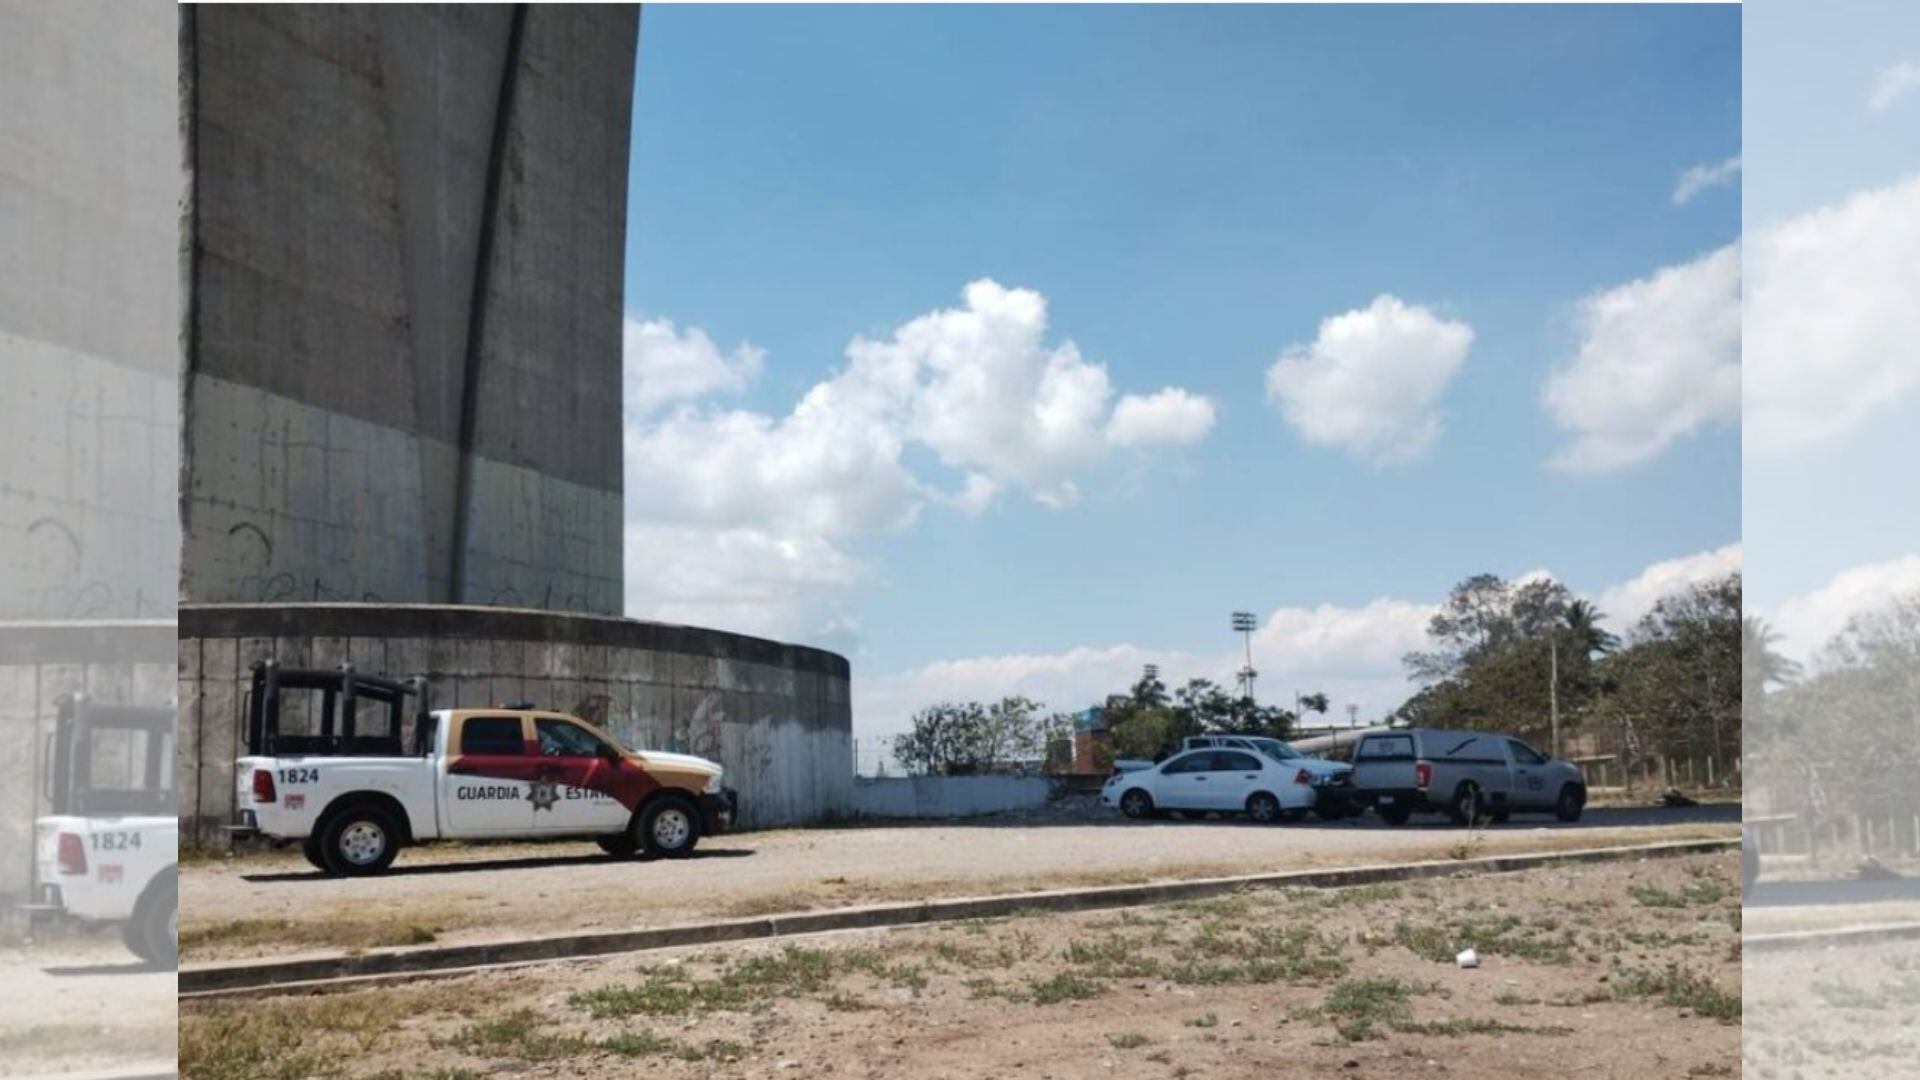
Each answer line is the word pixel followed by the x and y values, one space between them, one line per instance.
pixel 82 1003
pixel 1621 970
pixel 1816 1013
pixel 276 904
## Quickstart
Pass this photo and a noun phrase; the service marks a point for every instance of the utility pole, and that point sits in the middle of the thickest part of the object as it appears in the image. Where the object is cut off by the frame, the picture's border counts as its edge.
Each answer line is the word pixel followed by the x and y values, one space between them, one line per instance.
pixel 1553 691
pixel 1244 624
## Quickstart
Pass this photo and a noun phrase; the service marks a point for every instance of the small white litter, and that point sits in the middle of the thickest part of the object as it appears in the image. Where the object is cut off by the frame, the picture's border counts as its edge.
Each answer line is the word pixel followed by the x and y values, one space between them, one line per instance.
pixel 1468 959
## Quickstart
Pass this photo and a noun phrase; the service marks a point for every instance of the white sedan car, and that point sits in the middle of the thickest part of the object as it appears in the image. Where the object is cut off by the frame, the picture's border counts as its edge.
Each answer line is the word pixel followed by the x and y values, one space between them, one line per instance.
pixel 1222 781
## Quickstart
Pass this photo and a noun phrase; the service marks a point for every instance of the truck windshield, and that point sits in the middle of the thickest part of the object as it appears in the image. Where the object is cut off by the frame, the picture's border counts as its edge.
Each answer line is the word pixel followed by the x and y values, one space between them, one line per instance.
pixel 562 738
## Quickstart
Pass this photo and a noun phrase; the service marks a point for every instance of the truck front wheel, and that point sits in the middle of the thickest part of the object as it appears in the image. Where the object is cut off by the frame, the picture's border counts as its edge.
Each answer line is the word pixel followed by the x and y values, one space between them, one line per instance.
pixel 669 827
pixel 359 840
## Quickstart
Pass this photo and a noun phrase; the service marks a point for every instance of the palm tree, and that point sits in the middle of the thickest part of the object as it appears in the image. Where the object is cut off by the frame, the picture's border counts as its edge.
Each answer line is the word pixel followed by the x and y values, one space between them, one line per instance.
pixel 1580 622
pixel 1761 666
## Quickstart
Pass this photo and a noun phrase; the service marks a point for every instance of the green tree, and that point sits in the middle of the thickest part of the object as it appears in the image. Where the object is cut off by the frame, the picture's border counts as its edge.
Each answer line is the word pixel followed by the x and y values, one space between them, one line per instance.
pixel 958 738
pixel 1849 733
pixel 1678 680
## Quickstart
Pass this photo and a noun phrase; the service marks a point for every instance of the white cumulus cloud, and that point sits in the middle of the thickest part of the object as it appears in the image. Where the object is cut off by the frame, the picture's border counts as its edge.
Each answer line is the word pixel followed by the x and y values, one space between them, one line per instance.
pixel 1371 381
pixel 1659 358
pixel 665 365
pixel 1699 178
pixel 1806 624
pixel 1833 329
pixel 1625 603
pixel 1170 416
pixel 1893 83
pixel 978 386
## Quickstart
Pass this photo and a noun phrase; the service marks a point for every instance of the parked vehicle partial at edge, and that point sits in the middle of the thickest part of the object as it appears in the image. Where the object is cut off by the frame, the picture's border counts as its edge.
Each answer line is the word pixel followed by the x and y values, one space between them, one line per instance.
pixel 1471 776
pixel 107 851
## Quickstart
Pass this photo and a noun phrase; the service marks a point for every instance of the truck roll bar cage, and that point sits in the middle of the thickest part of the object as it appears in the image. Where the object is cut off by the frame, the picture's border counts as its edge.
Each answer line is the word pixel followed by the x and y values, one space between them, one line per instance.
pixel 342 691
pixel 72 788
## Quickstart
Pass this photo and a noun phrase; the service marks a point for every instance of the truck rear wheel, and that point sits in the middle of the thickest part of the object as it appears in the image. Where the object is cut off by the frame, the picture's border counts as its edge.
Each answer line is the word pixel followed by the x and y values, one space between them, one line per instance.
pixel 669 827
pixel 310 847
pixel 1396 814
pixel 154 931
pixel 1468 806
pixel 619 845
pixel 359 840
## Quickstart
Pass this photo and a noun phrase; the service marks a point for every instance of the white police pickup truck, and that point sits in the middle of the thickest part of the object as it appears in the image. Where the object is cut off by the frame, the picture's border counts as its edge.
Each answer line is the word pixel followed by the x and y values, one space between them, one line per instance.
pixel 108 849
pixel 353 791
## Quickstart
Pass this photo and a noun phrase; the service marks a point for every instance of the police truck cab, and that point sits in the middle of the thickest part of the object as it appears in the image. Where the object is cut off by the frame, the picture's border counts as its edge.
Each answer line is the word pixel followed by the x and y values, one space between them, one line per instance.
pixel 357 785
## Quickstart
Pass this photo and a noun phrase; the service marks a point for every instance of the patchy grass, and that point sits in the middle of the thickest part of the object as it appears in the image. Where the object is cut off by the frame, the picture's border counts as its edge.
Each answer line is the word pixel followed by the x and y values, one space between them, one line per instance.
pixel 1681 988
pixel 1128 1040
pixel 343 932
pixel 1360 1008
pixel 1505 935
pixel 1066 986
pixel 1701 892
pixel 1900 993
pixel 285 1038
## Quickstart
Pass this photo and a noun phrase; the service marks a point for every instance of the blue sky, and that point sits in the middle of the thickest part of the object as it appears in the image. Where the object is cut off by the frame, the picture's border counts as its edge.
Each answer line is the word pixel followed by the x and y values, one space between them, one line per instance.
pixel 1192 191
pixel 1832 373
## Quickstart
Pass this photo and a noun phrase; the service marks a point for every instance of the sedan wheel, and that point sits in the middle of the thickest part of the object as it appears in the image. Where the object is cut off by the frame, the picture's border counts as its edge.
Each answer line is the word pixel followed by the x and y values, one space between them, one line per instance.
pixel 1263 808
pixel 1136 804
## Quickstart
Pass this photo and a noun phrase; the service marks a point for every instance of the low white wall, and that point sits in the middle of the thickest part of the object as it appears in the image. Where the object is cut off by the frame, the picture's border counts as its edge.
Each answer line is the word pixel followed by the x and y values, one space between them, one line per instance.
pixel 947 796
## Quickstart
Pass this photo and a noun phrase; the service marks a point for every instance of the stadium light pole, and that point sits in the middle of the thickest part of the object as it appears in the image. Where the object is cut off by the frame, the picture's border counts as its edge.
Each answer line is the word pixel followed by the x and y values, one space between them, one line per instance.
pixel 1244 624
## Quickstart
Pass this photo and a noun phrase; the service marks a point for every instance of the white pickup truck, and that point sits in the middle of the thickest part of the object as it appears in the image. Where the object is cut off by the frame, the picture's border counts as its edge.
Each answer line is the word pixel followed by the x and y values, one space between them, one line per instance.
pixel 107 851
pixel 353 796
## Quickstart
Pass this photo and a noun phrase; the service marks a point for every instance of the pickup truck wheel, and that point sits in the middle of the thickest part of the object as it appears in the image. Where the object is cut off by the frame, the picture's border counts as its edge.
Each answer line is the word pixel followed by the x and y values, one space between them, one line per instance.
pixel 359 841
pixel 1136 804
pixel 161 929
pixel 670 827
pixel 1467 807
pixel 1572 802
pixel 620 845
pixel 310 847
pixel 1395 814
pixel 1263 808
pixel 154 931
pixel 135 935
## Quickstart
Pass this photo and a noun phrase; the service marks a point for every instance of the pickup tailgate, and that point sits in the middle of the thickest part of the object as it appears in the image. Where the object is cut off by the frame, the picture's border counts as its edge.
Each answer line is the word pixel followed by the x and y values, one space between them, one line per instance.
pixel 1384 763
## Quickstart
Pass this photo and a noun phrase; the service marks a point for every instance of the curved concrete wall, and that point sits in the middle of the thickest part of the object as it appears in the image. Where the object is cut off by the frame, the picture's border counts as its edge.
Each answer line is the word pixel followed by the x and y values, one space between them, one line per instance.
pixel 776 716
pixel 402 369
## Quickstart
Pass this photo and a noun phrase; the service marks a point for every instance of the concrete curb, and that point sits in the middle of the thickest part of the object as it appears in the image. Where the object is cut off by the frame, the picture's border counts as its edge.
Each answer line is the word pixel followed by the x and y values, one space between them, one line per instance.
pixel 386 965
pixel 1877 934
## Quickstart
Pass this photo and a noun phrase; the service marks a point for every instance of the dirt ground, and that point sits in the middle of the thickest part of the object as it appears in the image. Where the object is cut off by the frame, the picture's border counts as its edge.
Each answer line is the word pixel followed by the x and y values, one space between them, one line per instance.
pixel 1849 1012
pixel 1607 970
pixel 275 904
pixel 83 1003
